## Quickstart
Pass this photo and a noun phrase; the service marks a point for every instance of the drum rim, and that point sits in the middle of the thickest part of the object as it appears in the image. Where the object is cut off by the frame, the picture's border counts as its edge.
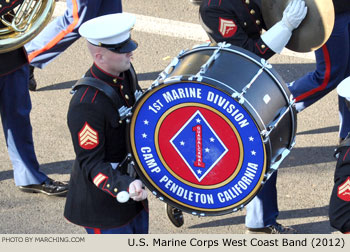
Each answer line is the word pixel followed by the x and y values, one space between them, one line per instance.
pixel 244 53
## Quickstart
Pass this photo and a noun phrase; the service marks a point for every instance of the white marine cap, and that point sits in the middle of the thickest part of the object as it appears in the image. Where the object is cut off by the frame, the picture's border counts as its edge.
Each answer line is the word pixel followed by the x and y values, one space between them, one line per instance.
pixel 343 88
pixel 110 31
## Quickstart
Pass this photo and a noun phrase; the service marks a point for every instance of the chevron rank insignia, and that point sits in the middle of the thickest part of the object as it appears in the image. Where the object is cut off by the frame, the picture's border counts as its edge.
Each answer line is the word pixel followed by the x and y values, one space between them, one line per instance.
pixel 88 137
pixel 344 190
pixel 227 27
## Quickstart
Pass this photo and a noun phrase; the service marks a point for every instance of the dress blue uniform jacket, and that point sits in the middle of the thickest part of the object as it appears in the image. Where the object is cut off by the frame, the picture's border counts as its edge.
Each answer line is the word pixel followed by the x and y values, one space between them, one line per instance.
pixel 99 140
pixel 238 22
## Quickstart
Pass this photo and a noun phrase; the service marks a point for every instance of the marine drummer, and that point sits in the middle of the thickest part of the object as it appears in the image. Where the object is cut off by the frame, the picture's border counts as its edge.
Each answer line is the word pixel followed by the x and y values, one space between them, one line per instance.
pixel 101 171
pixel 240 23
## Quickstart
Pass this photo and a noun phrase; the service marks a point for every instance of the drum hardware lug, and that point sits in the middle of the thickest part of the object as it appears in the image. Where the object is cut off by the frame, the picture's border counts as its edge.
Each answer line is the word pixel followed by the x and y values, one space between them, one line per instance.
pixel 154 84
pixel 161 198
pixel 207 64
pixel 171 66
pixel 265 135
pixel 124 112
pixel 274 166
pixel 223 44
pixel 137 95
pixel 274 123
pixel 291 100
pixel 166 71
pixel 201 45
pixel 173 79
pixel 195 78
pixel 182 52
pixel 292 144
pixel 239 97
pixel 265 65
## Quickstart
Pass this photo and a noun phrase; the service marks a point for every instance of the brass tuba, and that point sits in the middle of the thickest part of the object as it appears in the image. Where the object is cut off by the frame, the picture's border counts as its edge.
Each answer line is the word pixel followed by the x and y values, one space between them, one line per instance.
pixel 23 22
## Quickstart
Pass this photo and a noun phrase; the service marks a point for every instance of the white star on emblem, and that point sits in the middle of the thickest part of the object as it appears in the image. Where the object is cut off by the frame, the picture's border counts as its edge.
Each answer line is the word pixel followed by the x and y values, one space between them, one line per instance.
pixel 251 139
pixel 182 143
pixel 253 153
pixel 199 171
pixel 212 139
pixel 198 120
pixel 146 122
pixel 144 135
pixel 207 149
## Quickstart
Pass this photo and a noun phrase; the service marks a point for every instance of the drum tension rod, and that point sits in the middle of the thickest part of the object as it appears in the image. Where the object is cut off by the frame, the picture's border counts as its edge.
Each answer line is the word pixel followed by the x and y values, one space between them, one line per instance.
pixel 265 65
pixel 166 71
pixel 275 164
pixel 273 124
pixel 204 68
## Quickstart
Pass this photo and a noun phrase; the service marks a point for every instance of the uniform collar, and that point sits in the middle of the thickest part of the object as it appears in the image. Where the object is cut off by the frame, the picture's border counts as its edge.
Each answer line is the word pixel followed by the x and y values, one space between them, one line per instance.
pixel 106 77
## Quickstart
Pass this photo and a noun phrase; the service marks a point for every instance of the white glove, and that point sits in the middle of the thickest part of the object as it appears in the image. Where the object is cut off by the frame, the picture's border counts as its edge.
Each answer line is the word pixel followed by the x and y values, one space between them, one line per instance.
pixel 136 191
pixel 294 14
pixel 277 37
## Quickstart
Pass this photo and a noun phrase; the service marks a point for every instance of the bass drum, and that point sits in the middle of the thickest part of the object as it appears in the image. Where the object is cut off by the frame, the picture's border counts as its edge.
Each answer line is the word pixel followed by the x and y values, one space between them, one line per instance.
pixel 211 129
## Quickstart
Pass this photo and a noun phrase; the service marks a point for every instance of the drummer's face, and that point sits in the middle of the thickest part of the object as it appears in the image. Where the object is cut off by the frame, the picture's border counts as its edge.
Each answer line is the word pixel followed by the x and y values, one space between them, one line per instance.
pixel 117 62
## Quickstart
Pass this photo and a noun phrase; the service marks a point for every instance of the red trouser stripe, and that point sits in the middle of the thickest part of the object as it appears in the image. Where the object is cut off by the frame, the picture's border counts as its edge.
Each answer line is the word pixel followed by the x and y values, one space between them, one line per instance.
pixel 347 152
pixel 325 82
pixel 60 35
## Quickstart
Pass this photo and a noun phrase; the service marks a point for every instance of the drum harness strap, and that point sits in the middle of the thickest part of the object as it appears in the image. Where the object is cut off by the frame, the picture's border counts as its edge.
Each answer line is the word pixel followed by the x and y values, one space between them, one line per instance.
pixel 101 86
pixel 111 93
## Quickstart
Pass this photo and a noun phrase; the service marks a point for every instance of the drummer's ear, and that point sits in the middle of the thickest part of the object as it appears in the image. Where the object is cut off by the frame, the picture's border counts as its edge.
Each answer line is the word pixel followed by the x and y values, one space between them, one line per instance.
pixel 98 57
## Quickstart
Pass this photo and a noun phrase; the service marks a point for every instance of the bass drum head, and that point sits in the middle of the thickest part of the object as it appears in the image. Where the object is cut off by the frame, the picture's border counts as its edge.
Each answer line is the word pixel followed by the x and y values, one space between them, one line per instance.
pixel 197 148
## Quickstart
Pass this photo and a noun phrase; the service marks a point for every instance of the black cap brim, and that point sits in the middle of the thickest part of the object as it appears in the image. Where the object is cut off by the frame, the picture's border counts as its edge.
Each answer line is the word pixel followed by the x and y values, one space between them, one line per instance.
pixel 130 46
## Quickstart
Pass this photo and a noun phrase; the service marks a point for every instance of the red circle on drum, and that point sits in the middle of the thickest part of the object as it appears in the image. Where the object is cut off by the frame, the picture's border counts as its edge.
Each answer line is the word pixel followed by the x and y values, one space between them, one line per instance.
pixel 223 165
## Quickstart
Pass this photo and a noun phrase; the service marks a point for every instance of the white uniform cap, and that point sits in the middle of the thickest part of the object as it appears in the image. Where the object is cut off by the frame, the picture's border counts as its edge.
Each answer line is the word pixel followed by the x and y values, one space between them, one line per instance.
pixel 111 31
pixel 343 88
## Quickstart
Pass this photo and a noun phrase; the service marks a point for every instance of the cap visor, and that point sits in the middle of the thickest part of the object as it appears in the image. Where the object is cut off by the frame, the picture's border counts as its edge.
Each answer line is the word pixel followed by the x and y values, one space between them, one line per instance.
pixel 128 47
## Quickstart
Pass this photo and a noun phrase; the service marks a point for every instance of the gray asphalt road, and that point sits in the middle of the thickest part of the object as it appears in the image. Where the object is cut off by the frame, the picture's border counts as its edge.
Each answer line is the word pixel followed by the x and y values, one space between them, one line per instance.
pixel 304 178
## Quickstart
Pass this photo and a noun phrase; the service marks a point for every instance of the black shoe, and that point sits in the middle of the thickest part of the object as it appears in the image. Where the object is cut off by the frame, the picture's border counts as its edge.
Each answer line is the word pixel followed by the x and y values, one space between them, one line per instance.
pixel 273 229
pixel 49 187
pixel 32 82
pixel 175 215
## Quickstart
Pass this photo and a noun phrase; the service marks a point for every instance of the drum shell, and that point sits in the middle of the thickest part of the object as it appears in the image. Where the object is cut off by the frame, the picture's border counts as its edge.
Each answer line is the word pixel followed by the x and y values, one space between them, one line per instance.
pixel 232 70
